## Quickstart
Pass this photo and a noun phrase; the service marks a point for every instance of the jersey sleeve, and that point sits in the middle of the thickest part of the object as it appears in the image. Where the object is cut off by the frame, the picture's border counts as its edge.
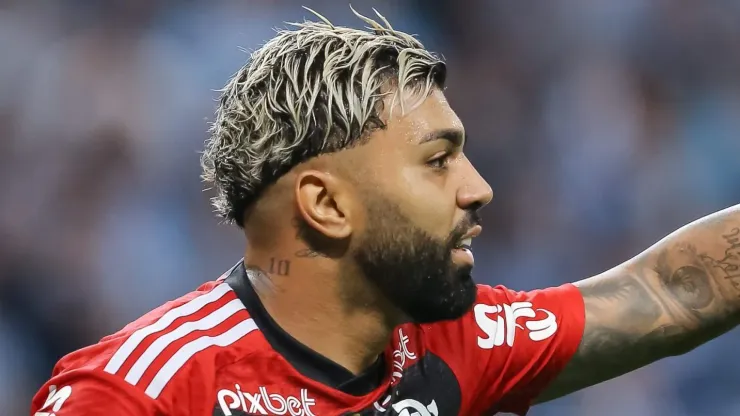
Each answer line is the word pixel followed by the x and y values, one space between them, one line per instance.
pixel 91 392
pixel 512 344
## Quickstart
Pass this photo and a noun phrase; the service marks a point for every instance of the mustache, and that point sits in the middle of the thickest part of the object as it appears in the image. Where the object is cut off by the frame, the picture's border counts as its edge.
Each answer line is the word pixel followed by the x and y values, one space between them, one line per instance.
pixel 470 220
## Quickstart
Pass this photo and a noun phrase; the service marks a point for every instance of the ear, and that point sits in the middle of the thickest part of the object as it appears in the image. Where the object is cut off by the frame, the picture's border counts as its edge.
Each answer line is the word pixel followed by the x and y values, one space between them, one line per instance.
pixel 324 203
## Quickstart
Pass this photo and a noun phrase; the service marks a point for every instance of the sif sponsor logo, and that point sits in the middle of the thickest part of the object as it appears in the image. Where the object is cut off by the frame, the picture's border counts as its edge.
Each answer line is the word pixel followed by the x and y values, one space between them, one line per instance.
pixel 500 323
pixel 265 403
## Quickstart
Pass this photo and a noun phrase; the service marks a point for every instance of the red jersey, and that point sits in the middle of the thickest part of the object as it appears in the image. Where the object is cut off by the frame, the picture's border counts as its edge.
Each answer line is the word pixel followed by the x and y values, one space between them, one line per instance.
pixel 216 351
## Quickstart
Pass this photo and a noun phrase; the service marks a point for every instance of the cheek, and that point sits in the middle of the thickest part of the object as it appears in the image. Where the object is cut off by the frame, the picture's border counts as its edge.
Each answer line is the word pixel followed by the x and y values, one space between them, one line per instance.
pixel 427 201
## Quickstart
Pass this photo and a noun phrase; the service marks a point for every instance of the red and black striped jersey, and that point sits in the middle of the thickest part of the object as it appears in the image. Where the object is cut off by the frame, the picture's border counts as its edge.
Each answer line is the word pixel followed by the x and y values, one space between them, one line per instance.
pixel 216 351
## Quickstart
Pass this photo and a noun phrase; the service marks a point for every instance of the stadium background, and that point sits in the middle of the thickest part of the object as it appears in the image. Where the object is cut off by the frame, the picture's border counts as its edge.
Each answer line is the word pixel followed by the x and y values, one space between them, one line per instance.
pixel 601 125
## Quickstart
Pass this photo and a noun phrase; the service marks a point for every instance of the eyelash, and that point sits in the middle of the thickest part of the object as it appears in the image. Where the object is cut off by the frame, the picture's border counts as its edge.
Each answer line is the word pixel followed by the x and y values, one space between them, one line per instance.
pixel 440 163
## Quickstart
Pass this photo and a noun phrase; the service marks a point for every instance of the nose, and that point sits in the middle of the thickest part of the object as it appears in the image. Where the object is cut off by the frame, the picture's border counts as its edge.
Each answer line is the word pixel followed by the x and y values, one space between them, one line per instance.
pixel 474 192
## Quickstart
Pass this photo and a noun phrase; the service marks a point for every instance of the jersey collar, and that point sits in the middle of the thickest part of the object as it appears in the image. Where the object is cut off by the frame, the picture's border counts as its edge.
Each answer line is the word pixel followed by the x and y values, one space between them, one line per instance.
pixel 305 360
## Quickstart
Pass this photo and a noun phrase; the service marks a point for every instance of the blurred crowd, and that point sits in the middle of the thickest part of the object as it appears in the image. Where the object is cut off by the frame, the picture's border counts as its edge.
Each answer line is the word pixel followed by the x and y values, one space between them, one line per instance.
pixel 601 125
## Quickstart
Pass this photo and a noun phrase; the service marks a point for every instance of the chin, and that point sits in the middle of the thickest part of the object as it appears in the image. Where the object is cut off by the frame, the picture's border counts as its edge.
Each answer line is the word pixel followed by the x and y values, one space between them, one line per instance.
pixel 446 307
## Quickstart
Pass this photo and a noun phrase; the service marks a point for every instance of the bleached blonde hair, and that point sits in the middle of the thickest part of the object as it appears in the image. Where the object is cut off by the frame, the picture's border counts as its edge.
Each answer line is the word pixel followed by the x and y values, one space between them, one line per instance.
pixel 312 90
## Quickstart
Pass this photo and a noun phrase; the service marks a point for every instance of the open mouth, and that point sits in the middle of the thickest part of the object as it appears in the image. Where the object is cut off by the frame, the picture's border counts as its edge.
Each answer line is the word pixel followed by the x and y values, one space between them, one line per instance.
pixel 462 251
pixel 465 244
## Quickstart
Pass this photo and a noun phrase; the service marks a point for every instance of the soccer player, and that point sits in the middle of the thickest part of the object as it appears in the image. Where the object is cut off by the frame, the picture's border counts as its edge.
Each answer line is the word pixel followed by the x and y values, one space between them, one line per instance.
pixel 335 151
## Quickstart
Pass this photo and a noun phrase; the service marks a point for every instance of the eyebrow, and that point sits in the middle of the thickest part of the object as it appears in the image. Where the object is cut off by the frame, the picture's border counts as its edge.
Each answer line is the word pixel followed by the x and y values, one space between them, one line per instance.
pixel 454 136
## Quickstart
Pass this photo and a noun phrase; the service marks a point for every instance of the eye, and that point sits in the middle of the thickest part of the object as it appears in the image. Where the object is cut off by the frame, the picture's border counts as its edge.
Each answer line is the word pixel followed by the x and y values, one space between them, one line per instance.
pixel 440 162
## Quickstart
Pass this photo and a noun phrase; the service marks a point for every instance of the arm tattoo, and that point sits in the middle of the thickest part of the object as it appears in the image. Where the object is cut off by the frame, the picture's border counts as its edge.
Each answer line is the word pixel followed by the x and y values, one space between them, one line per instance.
pixel 680 293
pixel 729 266
pixel 623 316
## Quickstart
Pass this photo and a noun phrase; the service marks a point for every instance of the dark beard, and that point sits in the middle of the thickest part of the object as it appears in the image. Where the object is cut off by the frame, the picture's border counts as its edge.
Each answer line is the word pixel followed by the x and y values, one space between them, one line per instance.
pixel 413 269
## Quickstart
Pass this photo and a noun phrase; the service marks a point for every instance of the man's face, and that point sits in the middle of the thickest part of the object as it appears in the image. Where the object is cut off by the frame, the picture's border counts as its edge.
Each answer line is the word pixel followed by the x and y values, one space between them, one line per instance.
pixel 422 197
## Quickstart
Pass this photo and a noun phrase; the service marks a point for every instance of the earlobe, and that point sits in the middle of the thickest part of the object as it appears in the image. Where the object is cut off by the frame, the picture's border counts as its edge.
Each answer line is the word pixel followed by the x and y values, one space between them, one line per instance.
pixel 321 202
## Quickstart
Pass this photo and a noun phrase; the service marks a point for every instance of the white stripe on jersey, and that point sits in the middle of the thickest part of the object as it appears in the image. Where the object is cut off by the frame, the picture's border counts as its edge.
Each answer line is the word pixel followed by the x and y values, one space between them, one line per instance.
pixel 209 321
pixel 188 350
pixel 188 308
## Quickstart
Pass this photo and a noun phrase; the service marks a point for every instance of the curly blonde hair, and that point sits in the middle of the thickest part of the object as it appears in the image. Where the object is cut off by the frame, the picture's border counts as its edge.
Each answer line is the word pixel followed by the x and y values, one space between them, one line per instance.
pixel 308 91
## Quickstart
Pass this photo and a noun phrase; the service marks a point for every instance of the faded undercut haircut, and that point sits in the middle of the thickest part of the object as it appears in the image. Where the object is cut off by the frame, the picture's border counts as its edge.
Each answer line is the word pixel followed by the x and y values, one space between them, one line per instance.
pixel 312 90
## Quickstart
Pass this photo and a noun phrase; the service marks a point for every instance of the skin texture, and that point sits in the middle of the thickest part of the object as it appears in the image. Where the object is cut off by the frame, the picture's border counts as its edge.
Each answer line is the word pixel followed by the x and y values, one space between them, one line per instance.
pixel 678 294
pixel 336 242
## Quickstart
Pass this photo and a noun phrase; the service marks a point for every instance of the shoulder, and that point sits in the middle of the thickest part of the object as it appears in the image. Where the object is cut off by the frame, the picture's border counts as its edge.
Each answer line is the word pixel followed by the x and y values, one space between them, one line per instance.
pixel 156 354
pixel 510 344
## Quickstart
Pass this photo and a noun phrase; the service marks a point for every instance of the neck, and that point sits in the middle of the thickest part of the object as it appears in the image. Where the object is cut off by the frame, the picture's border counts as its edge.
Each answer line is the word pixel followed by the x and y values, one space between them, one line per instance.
pixel 308 298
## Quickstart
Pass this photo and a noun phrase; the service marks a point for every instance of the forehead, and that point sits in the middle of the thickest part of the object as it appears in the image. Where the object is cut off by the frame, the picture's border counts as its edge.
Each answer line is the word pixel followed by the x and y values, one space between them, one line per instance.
pixel 401 140
pixel 412 126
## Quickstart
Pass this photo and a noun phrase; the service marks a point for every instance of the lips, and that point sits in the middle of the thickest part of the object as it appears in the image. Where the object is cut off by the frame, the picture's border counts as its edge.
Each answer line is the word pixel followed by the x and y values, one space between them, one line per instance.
pixel 466 241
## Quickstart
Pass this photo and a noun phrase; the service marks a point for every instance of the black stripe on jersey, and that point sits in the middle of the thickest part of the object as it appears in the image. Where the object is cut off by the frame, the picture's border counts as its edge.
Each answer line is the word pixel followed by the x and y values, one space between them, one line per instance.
pixel 306 361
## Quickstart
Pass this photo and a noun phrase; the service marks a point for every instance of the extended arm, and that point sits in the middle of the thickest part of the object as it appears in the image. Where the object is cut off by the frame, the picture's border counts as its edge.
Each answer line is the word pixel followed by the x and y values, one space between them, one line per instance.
pixel 675 296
